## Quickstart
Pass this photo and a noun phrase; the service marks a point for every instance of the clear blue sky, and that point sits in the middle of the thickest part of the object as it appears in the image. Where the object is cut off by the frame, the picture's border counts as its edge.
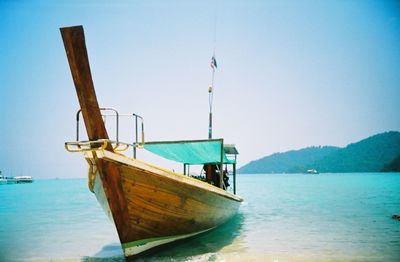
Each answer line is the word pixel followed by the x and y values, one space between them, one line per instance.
pixel 290 74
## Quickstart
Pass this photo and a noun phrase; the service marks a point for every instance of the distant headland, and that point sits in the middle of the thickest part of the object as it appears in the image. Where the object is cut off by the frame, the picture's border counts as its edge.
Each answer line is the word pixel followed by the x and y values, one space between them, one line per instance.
pixel 378 153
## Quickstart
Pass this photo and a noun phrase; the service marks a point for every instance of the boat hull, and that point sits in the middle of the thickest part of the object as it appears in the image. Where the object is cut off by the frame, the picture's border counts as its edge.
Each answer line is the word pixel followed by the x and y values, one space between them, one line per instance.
pixel 161 206
pixel 149 206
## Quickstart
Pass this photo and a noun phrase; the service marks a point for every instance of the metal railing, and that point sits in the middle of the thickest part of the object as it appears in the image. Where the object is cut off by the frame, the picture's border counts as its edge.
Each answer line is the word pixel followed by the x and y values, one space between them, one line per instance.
pixel 116 143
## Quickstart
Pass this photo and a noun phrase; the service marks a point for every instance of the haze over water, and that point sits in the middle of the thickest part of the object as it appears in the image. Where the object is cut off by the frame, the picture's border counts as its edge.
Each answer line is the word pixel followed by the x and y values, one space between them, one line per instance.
pixel 289 74
pixel 326 217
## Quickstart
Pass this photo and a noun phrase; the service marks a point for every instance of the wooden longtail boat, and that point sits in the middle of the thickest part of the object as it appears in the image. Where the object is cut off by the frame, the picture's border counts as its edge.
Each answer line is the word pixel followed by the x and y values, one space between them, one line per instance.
pixel 150 206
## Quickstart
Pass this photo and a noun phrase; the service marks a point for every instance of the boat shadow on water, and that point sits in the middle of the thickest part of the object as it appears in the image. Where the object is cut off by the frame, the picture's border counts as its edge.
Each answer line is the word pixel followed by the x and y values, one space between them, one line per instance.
pixel 207 244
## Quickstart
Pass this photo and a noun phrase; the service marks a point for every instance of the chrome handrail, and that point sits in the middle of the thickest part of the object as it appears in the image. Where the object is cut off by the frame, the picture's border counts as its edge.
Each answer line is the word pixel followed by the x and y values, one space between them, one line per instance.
pixel 116 147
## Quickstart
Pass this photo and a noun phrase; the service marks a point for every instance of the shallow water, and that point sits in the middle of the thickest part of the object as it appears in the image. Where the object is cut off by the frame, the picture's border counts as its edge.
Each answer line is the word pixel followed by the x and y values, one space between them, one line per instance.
pixel 296 217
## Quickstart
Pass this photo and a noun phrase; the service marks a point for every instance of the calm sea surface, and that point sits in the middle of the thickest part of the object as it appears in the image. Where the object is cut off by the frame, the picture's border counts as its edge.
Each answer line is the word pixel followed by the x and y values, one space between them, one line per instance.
pixel 326 217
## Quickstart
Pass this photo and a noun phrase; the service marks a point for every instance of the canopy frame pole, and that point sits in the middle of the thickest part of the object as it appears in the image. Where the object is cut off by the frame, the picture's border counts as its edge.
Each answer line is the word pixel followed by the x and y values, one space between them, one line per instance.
pixel 136 136
pixel 234 175
pixel 221 169
pixel 234 178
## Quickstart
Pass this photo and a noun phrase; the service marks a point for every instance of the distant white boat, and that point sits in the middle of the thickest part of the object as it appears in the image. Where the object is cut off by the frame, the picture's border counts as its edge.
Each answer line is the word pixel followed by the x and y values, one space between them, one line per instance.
pixel 312 171
pixel 23 179
pixel 3 180
pixel 15 180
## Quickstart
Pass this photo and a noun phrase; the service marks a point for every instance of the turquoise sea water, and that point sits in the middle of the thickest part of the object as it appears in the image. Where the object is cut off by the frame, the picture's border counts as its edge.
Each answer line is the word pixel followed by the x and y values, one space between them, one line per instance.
pixel 326 217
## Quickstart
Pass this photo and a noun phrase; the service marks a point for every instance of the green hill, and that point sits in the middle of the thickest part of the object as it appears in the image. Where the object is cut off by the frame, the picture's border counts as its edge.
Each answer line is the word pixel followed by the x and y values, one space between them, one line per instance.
pixel 369 155
pixel 288 162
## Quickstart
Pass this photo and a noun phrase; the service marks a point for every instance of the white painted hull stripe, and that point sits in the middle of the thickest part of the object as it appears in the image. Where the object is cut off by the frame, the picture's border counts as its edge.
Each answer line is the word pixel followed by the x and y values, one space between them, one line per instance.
pixel 136 247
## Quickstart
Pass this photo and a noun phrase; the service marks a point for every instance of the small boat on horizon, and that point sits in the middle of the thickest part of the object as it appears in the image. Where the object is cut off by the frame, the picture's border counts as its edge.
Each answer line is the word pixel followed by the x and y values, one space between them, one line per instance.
pixel 23 179
pixel 149 205
pixel 312 171
pixel 3 180
pixel 15 180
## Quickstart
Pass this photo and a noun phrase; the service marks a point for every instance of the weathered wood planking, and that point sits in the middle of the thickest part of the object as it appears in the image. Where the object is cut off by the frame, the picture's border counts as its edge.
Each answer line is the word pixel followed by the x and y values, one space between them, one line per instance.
pixel 162 203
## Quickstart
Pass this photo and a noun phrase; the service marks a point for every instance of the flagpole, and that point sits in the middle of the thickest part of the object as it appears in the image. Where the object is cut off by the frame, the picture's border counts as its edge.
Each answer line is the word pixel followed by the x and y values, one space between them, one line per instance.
pixel 211 88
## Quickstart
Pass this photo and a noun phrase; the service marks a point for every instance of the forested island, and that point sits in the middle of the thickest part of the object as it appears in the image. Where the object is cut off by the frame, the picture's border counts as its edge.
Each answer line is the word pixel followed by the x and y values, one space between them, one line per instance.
pixel 378 153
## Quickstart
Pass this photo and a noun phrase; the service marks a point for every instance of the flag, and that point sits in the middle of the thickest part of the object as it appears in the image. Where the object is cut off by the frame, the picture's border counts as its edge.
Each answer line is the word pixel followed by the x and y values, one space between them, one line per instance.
pixel 213 63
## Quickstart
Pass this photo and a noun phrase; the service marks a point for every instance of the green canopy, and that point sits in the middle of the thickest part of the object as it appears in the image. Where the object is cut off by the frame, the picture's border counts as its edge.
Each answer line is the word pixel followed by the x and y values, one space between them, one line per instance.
pixel 191 152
